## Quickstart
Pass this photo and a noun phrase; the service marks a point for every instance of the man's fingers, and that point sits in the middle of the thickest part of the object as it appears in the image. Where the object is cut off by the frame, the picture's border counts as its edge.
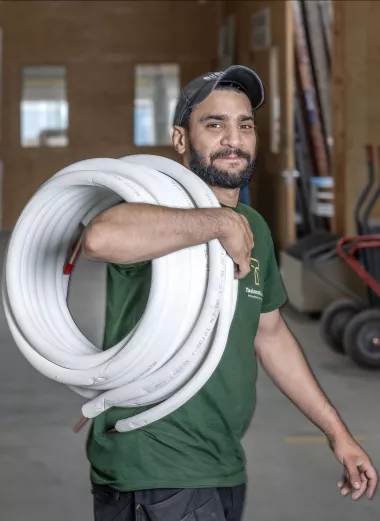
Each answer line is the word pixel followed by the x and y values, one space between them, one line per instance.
pixel 358 493
pixel 249 239
pixel 346 488
pixel 353 473
pixel 359 474
pixel 372 484
pixel 344 480
pixel 341 482
pixel 248 245
pixel 367 476
pixel 244 268
pixel 372 478
pixel 248 232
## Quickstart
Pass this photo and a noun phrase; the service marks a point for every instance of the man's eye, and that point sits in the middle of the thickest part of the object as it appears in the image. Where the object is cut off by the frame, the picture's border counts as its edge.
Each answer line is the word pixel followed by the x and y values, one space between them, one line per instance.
pixel 214 125
pixel 246 127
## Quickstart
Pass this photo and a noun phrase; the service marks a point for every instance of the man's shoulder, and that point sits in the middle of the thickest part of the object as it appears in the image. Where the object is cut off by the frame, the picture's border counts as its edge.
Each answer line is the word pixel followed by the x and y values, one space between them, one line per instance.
pixel 253 216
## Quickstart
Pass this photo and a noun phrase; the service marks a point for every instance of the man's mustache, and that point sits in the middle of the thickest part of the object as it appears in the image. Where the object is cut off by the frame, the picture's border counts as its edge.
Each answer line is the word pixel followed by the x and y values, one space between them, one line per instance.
pixel 233 152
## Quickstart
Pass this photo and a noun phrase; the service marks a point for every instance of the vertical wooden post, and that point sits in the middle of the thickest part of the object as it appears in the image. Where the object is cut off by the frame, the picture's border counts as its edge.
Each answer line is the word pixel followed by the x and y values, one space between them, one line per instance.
pixel 338 120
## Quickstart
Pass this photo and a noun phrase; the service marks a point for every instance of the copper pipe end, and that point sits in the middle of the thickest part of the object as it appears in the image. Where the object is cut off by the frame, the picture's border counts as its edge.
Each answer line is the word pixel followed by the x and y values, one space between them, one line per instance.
pixel 80 424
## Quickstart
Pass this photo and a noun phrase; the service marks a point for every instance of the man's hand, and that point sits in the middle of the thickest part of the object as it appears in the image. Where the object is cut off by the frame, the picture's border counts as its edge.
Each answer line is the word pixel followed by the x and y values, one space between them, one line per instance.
pixel 237 239
pixel 360 476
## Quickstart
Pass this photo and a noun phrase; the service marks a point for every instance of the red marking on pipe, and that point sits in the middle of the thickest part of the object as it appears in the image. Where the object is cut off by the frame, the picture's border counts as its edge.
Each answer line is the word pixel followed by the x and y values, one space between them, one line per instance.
pixel 68 268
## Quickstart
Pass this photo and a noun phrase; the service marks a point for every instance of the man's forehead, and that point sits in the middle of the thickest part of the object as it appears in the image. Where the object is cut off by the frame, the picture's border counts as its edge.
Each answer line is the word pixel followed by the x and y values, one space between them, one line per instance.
pixel 224 107
pixel 220 99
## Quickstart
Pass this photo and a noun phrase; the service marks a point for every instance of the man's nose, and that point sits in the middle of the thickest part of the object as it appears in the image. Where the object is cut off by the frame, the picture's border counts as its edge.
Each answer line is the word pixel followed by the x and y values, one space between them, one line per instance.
pixel 231 138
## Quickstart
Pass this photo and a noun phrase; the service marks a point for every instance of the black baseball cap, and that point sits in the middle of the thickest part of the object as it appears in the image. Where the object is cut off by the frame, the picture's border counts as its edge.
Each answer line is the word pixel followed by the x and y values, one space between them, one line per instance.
pixel 198 89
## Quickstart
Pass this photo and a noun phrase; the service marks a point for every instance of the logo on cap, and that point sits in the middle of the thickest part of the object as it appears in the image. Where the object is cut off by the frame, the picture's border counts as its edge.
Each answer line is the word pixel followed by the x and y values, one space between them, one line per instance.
pixel 213 75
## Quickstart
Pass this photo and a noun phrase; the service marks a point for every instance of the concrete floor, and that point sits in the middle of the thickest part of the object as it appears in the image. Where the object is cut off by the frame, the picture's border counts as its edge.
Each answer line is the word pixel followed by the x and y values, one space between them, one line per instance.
pixel 292 474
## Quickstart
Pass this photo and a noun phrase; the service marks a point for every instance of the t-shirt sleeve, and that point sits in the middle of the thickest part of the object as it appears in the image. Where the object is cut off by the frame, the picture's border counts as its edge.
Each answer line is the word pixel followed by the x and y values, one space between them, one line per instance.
pixel 130 269
pixel 274 292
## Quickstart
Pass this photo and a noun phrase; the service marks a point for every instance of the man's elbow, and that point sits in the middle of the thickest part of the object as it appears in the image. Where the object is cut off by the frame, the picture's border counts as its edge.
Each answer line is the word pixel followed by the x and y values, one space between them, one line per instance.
pixel 100 244
pixel 270 323
pixel 270 330
pixel 92 244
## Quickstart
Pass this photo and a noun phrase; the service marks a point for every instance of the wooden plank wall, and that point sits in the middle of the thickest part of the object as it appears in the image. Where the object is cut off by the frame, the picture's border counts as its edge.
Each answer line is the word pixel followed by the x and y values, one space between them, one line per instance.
pixel 356 101
pixel 99 44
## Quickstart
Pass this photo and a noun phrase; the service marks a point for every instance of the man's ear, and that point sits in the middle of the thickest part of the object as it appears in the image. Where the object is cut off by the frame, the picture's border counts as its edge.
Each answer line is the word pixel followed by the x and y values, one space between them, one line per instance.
pixel 179 139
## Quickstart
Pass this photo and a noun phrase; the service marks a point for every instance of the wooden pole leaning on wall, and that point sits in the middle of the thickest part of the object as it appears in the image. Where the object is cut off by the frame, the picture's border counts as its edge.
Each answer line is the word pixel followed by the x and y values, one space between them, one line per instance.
pixel 309 95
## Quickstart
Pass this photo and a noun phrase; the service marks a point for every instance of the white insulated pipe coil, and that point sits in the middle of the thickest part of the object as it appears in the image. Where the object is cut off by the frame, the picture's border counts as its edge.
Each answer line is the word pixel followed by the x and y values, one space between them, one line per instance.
pixel 180 339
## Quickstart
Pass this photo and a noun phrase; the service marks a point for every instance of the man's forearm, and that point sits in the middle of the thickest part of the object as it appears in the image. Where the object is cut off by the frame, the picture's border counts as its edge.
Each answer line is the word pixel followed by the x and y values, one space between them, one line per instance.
pixel 131 233
pixel 285 363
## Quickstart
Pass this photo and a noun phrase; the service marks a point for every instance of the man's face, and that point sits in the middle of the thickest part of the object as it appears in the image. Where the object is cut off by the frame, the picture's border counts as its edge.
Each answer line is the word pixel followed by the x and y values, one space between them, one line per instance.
pixel 222 140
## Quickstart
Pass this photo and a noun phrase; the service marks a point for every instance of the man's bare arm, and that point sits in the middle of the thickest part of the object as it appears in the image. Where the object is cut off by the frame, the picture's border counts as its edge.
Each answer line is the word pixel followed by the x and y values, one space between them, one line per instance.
pixel 285 363
pixel 129 233
pixel 283 360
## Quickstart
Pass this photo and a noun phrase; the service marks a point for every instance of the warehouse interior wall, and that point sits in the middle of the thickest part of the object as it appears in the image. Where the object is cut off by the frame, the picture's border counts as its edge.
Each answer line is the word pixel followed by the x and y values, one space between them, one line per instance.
pixel 98 51
pixel 99 47
pixel 356 102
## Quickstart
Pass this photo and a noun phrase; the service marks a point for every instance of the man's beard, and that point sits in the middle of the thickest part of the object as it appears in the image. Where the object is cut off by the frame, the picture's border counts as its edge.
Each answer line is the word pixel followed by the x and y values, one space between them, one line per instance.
pixel 214 176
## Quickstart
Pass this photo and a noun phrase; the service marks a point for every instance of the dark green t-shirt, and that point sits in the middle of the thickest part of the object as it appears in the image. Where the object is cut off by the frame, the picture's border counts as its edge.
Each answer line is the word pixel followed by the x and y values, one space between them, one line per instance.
pixel 199 445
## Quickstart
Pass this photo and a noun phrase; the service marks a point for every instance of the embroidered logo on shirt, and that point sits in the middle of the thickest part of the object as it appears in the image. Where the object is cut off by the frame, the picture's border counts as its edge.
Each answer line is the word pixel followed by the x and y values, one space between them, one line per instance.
pixel 255 293
pixel 256 271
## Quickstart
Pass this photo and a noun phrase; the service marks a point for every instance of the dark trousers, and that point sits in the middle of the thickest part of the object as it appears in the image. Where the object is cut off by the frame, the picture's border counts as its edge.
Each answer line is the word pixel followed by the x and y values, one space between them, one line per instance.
pixel 200 504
